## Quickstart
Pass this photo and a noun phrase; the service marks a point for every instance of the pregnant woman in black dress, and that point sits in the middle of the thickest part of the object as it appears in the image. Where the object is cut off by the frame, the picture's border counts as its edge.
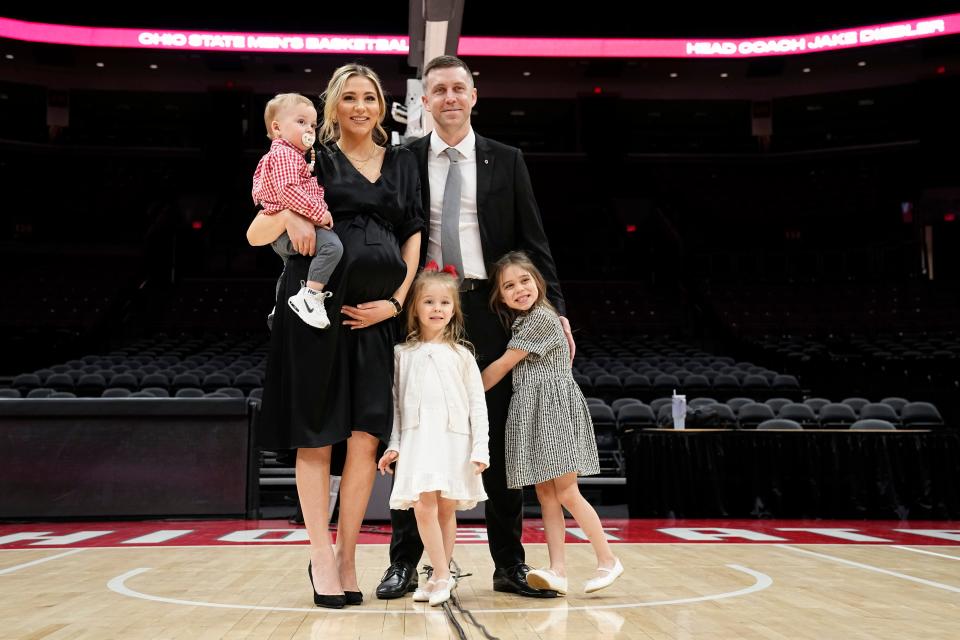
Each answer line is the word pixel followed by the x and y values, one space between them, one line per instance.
pixel 328 392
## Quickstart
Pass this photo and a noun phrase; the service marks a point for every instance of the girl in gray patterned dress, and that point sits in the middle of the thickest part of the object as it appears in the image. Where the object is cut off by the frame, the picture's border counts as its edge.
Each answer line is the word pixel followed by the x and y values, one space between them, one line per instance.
pixel 549 434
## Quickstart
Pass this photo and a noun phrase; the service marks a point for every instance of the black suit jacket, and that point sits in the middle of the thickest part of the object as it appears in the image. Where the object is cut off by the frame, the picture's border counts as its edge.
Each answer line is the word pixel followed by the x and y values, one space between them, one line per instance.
pixel 506 208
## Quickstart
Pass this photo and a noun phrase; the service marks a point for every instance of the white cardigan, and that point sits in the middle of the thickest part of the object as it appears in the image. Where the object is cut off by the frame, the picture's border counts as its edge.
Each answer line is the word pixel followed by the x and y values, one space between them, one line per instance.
pixel 463 392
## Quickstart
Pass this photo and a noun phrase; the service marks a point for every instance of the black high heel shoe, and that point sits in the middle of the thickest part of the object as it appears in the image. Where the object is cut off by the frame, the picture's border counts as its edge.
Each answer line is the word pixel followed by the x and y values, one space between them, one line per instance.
pixel 353 597
pixel 330 602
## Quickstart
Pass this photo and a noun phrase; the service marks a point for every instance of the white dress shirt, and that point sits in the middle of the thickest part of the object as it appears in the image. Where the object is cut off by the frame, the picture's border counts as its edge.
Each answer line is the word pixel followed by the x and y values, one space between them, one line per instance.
pixel 471 251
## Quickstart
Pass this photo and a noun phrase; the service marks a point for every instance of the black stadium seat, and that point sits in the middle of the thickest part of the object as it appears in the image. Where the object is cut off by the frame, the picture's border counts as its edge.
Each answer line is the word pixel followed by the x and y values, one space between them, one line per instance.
pixel 91 385
pixel 619 403
pixel 779 424
pixel 751 415
pixel 607 386
pixel 837 415
pixel 873 425
pixel 247 382
pixel 879 411
pixel 816 404
pixel 214 381
pixel 26 382
pixel 61 382
pixel 856 403
pixel 799 413
pixel 115 392
pixel 920 415
pixel 777 403
pixel 635 416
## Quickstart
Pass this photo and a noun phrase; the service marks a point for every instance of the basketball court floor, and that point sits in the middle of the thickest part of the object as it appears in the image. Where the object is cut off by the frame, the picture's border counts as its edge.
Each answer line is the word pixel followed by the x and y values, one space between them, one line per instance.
pixel 685 579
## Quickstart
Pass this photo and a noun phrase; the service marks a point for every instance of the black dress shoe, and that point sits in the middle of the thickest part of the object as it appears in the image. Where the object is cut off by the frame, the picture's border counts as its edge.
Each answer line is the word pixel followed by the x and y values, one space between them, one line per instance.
pixel 514 580
pixel 399 579
pixel 353 597
pixel 330 602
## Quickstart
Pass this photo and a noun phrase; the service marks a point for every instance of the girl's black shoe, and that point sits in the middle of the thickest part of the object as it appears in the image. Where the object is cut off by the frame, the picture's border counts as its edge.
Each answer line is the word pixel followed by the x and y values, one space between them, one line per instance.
pixel 353 597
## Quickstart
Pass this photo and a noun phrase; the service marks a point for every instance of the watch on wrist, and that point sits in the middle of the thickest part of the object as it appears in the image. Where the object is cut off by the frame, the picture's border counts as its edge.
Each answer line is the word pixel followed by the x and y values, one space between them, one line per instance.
pixel 396 305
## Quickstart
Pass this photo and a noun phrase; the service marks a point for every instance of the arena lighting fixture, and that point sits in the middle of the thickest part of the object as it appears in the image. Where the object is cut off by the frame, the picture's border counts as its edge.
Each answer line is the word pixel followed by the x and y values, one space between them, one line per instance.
pixel 355 44
pixel 9 56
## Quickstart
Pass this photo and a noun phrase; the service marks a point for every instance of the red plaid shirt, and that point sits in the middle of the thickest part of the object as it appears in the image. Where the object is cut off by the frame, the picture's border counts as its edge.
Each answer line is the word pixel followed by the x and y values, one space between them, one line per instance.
pixel 283 181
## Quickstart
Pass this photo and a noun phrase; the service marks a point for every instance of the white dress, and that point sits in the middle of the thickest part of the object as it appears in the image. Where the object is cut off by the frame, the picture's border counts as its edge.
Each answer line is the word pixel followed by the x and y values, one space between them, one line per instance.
pixel 440 424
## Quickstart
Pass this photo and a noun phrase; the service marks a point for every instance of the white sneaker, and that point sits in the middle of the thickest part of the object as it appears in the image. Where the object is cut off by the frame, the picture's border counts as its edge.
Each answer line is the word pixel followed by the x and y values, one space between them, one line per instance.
pixel 595 584
pixel 308 304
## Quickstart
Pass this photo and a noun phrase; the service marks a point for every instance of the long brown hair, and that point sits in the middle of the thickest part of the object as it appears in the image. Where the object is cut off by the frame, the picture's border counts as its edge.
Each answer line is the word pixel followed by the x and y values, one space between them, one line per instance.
pixel 520 260
pixel 454 333
pixel 330 130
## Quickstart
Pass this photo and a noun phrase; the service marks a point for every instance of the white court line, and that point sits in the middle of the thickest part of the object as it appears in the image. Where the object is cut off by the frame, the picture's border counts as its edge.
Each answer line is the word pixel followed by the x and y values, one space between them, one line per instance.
pixel 929 553
pixel 761 582
pixel 929 583
pixel 40 561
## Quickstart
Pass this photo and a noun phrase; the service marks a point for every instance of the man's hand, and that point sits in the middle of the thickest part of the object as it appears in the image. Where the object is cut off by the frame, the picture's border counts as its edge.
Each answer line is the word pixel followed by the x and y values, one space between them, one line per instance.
pixel 569 334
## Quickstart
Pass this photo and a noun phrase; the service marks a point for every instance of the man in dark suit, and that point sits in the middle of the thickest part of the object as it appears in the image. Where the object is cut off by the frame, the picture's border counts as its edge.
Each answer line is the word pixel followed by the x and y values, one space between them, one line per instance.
pixel 495 213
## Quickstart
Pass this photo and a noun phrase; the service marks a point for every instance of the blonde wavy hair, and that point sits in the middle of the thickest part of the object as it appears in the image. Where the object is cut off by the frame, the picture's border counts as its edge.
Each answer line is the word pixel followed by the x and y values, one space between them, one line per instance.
pixel 330 130
pixel 454 333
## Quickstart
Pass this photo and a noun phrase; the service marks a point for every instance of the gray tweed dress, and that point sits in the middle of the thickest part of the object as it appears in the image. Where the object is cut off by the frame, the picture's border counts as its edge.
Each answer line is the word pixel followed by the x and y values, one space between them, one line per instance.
pixel 549 431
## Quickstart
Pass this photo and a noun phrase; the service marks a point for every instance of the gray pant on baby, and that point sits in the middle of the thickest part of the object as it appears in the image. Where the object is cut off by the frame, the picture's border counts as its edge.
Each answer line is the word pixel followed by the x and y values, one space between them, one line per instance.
pixel 329 252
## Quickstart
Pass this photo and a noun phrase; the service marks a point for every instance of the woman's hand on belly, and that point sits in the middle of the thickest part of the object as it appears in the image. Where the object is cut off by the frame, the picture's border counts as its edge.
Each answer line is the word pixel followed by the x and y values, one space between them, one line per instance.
pixel 367 313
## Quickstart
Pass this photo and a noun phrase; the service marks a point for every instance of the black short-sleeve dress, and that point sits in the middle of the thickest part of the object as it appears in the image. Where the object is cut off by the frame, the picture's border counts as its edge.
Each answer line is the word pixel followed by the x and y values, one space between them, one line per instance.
pixel 321 384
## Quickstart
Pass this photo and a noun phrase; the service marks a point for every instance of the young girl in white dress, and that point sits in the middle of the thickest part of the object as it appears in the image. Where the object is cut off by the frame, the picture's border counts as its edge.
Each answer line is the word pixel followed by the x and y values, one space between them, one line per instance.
pixel 549 434
pixel 440 431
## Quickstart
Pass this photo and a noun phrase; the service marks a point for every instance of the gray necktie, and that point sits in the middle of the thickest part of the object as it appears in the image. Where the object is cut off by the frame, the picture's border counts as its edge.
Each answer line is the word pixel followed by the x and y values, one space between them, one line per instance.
pixel 450 215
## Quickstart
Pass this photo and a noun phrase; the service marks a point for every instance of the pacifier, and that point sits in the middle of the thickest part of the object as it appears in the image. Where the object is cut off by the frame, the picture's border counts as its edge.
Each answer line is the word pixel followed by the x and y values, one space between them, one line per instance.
pixel 308 139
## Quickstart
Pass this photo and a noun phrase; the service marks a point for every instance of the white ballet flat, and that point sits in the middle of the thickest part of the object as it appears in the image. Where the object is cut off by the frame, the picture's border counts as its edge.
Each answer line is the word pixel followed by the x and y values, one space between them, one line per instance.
pixel 441 595
pixel 547 580
pixel 602 582
pixel 422 594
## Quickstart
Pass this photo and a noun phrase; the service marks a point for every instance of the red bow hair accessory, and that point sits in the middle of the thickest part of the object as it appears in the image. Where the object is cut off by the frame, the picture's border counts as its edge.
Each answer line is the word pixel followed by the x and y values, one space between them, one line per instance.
pixel 433 266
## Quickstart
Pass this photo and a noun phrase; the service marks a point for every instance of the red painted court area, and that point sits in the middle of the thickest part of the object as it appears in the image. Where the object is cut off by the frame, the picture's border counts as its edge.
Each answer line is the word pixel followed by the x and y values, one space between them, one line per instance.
pixel 178 533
